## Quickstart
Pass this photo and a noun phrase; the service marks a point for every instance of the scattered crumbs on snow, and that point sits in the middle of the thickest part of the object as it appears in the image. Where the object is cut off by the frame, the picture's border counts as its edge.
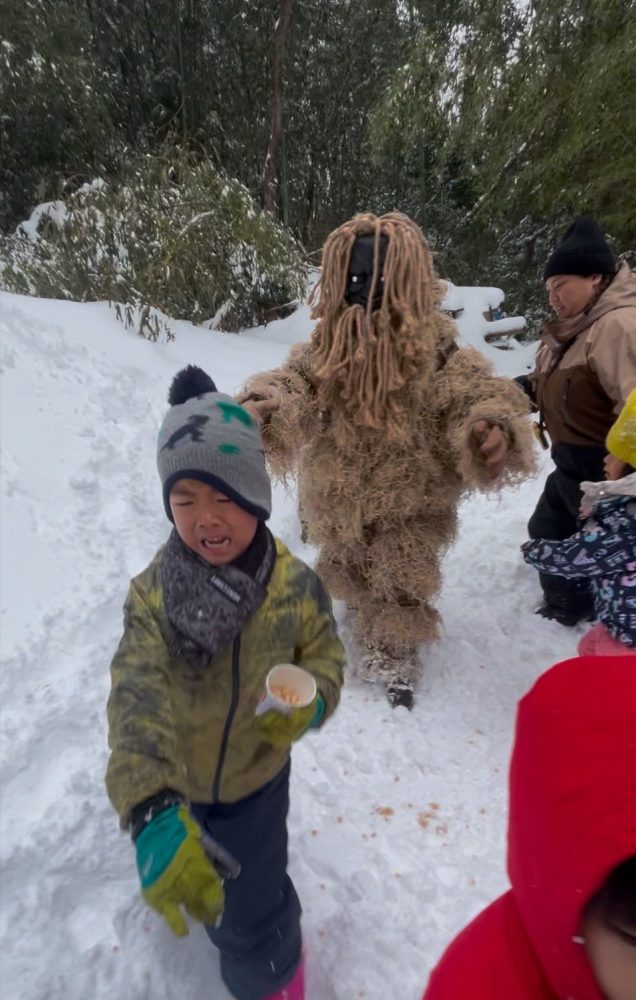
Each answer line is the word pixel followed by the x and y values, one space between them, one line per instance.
pixel 385 811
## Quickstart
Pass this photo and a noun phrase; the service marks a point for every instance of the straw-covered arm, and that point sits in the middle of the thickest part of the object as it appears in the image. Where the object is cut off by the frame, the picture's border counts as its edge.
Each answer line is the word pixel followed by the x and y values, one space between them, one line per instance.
pixel 486 417
pixel 281 400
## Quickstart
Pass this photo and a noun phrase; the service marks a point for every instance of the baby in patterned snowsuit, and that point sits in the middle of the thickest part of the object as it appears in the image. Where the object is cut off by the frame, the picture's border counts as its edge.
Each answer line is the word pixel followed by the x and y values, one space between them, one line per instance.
pixel 604 549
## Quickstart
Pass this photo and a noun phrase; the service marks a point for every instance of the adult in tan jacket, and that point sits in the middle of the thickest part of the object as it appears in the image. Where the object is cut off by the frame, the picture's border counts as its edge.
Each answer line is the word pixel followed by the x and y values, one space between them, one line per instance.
pixel 585 370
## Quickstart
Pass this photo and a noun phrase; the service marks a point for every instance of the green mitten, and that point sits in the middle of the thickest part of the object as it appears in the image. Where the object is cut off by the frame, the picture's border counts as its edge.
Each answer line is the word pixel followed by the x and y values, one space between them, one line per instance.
pixel 175 871
pixel 281 730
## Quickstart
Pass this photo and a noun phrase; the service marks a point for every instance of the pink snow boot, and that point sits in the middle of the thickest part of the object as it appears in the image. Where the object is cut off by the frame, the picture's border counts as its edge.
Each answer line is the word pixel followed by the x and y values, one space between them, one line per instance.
pixel 294 990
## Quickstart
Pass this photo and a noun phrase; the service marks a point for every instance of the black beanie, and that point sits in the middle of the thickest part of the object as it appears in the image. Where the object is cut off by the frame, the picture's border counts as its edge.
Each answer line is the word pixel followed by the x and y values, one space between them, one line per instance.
pixel 583 250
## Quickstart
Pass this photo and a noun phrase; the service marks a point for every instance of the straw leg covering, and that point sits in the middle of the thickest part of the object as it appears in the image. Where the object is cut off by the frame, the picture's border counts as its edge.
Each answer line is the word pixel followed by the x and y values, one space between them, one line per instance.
pixel 390 585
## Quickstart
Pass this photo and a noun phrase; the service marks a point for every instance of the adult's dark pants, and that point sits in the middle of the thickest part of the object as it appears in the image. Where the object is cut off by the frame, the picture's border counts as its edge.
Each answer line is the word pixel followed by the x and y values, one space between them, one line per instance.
pixel 556 516
pixel 259 936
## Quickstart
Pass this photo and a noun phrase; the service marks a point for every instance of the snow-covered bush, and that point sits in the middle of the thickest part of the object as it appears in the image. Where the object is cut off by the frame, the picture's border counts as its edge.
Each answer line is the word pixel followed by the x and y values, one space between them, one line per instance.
pixel 174 235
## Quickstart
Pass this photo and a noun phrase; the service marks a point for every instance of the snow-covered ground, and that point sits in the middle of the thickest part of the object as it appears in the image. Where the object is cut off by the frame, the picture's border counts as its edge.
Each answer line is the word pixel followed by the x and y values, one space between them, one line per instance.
pixel 398 819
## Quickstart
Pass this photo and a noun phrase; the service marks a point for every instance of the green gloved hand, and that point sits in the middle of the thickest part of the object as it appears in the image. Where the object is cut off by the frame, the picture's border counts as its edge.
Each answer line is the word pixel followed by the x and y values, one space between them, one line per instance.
pixel 281 730
pixel 175 871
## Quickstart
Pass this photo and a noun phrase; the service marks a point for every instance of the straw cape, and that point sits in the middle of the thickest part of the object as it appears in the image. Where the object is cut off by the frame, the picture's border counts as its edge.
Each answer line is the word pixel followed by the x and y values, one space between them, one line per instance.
pixel 373 416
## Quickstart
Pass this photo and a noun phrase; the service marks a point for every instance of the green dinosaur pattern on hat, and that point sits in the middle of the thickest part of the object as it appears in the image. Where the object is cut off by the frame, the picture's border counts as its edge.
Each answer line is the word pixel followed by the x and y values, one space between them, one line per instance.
pixel 232 411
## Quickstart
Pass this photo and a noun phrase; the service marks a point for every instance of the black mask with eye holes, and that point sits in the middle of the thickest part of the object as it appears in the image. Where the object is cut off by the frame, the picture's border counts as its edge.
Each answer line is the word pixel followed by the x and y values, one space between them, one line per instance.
pixel 360 273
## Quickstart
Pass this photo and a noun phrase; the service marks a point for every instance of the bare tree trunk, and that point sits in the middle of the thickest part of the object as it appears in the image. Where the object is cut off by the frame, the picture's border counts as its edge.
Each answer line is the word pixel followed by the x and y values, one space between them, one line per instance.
pixel 284 187
pixel 183 110
pixel 276 131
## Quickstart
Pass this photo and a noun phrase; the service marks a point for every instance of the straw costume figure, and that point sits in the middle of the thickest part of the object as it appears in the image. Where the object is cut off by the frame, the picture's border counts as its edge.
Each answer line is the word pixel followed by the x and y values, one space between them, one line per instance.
pixel 385 421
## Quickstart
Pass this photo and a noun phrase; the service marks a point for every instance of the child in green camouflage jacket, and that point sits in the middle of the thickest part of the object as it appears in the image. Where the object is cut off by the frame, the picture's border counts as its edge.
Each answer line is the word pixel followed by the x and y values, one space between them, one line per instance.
pixel 193 773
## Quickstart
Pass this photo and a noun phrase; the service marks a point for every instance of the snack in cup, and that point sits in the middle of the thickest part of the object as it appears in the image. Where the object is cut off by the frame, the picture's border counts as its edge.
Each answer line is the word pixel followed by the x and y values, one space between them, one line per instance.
pixel 287 687
pixel 285 694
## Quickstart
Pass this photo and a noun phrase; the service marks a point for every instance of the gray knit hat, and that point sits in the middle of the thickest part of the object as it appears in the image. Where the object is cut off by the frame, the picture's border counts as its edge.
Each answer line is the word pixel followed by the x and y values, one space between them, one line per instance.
pixel 207 436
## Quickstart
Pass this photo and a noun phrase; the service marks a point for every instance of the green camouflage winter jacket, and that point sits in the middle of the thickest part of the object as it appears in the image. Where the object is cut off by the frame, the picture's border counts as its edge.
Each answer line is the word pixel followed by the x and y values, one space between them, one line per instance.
pixel 175 725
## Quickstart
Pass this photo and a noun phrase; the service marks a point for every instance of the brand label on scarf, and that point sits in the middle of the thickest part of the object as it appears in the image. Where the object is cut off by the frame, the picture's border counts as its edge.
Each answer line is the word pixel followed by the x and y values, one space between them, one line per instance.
pixel 226 589
pixel 210 609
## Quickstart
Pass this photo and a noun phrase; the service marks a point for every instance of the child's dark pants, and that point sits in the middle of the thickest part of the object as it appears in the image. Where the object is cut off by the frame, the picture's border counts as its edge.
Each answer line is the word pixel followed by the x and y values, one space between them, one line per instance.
pixel 259 936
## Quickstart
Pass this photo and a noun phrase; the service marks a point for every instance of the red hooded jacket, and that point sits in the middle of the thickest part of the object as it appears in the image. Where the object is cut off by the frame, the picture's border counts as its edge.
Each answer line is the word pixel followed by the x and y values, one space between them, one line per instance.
pixel 572 820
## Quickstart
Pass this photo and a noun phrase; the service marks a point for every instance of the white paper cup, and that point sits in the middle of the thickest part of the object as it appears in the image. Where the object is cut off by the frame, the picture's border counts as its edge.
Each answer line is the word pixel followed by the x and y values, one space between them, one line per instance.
pixel 291 678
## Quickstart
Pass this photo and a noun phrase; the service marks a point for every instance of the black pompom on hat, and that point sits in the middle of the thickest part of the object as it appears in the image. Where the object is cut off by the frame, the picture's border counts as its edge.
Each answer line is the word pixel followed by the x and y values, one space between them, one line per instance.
pixel 583 250
pixel 188 383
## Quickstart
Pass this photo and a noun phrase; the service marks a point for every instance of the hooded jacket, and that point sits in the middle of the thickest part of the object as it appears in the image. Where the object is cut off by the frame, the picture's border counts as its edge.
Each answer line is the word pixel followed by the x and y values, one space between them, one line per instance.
pixel 621 440
pixel 603 552
pixel 572 821
pixel 586 367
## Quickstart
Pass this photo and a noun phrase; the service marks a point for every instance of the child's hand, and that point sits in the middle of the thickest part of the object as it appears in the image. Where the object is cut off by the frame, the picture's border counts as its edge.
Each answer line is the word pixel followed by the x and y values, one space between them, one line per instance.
pixel 614 468
pixel 175 871
pixel 282 730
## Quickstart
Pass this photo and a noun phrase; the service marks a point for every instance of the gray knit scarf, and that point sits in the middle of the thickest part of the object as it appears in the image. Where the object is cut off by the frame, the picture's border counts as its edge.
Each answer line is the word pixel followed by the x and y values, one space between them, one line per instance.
pixel 210 605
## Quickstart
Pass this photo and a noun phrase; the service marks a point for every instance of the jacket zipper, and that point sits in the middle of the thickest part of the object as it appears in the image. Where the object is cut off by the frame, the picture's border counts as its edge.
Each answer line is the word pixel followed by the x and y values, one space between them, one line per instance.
pixel 236 652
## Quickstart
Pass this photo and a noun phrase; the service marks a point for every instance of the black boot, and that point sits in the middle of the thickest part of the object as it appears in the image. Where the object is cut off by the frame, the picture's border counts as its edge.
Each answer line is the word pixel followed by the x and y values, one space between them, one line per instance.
pixel 398 668
pixel 567 602
pixel 400 693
